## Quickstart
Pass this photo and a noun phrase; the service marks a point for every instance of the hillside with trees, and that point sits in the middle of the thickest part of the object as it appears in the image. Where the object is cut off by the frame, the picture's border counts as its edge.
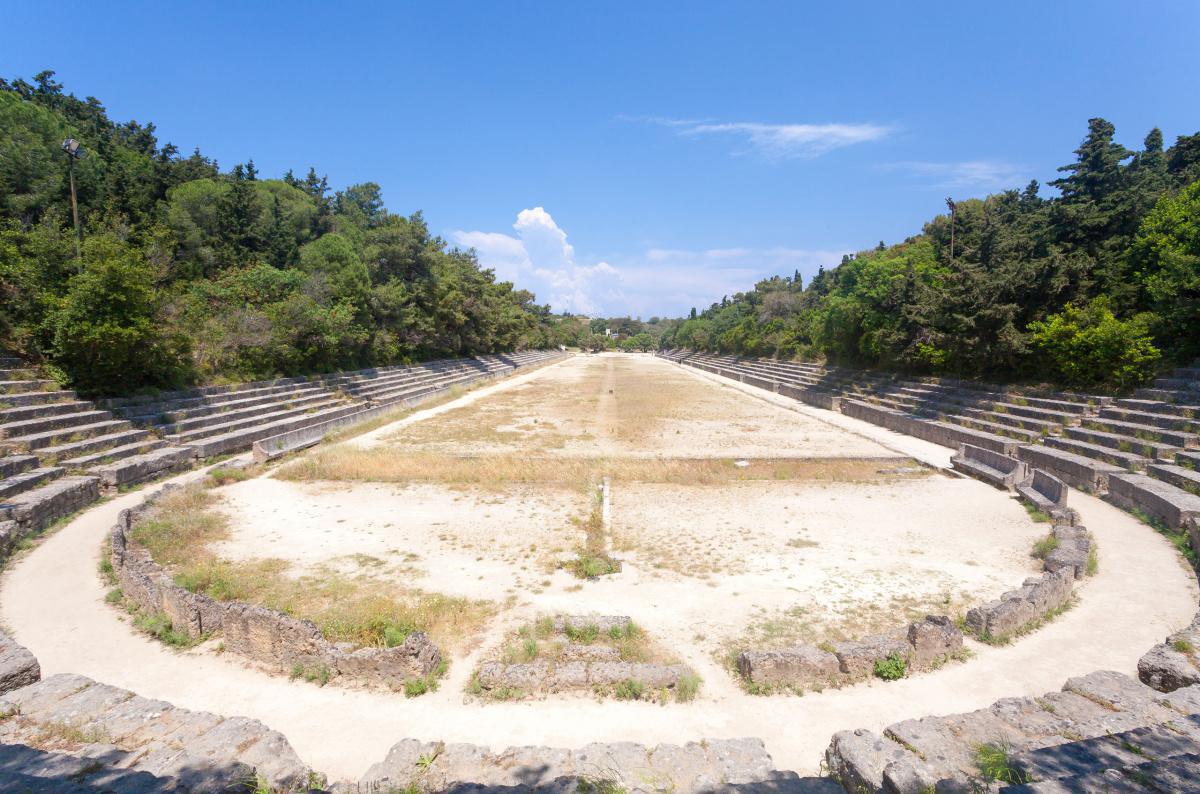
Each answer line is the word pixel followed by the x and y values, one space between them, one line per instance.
pixel 188 273
pixel 1097 286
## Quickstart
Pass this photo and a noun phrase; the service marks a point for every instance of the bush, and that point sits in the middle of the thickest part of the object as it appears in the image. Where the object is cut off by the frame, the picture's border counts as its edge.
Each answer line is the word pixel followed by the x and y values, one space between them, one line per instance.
pixel 629 689
pixel 1089 346
pixel 1043 547
pixel 106 336
pixel 892 668
pixel 687 688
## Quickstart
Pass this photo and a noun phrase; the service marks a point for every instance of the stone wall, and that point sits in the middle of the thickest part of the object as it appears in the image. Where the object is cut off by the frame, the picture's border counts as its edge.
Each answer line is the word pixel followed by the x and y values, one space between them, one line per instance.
pixel 1019 610
pixel 264 635
pixel 924 644
pixel 942 433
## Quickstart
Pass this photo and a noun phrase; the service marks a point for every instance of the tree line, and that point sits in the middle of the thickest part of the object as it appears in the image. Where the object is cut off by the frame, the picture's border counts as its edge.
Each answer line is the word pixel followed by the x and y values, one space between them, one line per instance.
pixel 193 274
pixel 1098 286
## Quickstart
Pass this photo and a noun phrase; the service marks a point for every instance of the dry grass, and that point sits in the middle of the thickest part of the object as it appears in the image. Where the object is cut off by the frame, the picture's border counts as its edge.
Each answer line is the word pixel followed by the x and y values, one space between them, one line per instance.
pixel 383 464
pixel 539 640
pixel 362 609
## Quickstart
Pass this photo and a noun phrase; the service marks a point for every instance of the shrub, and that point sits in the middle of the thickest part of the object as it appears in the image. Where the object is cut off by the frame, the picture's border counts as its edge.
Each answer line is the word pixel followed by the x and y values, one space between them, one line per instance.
pixel 1088 346
pixel 1182 645
pixel 159 627
pixel 891 668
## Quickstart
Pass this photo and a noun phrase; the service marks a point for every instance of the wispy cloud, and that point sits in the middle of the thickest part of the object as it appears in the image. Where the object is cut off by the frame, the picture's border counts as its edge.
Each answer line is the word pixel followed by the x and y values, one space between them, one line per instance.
pixel 776 141
pixel 980 174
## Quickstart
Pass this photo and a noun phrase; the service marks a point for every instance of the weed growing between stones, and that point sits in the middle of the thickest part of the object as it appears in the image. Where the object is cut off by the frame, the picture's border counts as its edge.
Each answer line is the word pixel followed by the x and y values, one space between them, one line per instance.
pixel 993 760
pixel 159 626
pixel 594 560
pixel 892 668
pixel 1043 547
pixel 1036 515
pixel 1183 646
pixel 316 674
pixel 1028 628
pixel 687 688
pixel 415 687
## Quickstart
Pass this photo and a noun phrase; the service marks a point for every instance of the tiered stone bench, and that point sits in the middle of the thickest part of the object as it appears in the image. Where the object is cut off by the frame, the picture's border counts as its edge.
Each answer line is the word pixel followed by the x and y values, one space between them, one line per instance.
pixel 1097 722
pixel 1000 470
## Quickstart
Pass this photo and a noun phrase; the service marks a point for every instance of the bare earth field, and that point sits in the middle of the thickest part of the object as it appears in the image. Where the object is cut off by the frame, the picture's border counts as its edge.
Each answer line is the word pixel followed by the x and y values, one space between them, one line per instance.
pixel 736 518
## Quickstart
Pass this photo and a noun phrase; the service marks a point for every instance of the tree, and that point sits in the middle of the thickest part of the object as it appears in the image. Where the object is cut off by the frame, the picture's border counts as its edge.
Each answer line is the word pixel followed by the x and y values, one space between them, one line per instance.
pixel 105 330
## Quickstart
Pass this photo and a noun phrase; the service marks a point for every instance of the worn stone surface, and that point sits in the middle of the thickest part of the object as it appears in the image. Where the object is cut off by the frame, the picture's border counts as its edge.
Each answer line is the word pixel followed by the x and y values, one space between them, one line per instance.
pixel 111 739
pixel 1089 711
pixel 18 667
pixel 1016 610
pixel 1170 665
pixel 803 665
pixel 857 659
pixel 933 640
pixel 711 765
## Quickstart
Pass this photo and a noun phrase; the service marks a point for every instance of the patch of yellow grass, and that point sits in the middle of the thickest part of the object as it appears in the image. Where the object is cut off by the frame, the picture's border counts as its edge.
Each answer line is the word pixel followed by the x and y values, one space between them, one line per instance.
pixel 384 464
pixel 361 610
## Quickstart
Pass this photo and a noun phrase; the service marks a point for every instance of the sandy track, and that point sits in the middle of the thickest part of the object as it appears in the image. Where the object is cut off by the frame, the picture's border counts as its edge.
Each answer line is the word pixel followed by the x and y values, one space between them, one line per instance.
pixel 52 600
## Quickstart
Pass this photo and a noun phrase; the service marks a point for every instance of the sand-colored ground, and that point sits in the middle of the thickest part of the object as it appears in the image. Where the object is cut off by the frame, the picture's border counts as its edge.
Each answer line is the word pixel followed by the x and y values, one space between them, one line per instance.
pixel 625 406
pixel 786 551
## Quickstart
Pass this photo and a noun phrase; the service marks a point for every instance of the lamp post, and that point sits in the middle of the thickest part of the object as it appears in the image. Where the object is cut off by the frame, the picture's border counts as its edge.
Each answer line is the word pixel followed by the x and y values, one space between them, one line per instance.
pixel 953 211
pixel 74 152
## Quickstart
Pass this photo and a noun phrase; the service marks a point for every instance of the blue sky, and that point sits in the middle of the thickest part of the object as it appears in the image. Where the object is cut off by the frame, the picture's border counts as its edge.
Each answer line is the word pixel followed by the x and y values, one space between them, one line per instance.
pixel 636 158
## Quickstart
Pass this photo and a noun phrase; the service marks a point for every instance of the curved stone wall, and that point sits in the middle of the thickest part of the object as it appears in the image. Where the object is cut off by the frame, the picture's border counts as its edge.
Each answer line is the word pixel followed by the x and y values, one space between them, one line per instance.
pixel 263 635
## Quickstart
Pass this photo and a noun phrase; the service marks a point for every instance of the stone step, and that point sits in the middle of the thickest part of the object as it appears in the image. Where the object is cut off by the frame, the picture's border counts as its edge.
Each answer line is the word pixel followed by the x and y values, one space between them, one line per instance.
pixel 167 418
pixel 26 480
pixel 19 386
pixel 17 373
pixel 1177 384
pixel 1126 749
pixel 166 410
pixel 1167 421
pixel 56 421
pixel 36 509
pixel 1177 396
pixel 1128 461
pixel 195 423
pixel 1154 497
pixel 1123 443
pixel 15 464
pixel 145 444
pixel 244 438
pixel 1079 471
pixel 1183 478
pixel 1040 426
pixel 1189 459
pixel 63 436
pixel 11 361
pixel 75 449
pixel 38 410
pixel 144 466
pixel 1161 435
pixel 1160 407
pixel 36 398
pixel 996 428
pixel 410 390
pixel 1189 373
pixel 223 427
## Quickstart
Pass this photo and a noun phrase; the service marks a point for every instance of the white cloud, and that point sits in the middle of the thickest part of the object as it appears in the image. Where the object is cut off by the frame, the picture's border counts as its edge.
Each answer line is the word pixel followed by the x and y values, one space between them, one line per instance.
pixel 540 259
pixel 981 174
pixel 780 141
pixel 658 281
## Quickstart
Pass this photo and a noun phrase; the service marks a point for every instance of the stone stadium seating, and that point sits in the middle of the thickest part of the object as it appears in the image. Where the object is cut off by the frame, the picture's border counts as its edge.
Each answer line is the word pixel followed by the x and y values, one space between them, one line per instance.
pixel 59 452
pixel 1143 452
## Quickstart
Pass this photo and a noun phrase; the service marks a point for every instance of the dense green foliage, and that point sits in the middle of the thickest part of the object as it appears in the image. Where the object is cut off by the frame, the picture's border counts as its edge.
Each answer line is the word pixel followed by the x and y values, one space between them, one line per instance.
pixel 1099 286
pixel 190 274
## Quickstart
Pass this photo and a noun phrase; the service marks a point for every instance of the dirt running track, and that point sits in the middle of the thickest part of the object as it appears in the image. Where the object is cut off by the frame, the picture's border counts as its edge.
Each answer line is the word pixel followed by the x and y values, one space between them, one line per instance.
pixel 51 599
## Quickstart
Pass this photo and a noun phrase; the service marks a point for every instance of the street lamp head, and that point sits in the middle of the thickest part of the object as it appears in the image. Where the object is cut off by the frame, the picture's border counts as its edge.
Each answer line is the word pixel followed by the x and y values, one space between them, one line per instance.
pixel 72 148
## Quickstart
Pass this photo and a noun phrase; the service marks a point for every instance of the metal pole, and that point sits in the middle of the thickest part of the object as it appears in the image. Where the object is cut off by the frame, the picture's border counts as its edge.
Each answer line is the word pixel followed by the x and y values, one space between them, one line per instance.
pixel 953 213
pixel 75 209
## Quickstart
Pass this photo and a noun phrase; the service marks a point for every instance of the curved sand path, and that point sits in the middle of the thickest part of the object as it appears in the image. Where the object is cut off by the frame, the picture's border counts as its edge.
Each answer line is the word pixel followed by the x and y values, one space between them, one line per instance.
pixel 52 600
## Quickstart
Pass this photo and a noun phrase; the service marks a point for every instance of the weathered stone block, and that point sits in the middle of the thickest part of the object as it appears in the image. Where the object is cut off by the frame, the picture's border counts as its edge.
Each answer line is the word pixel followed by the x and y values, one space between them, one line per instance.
pixel 802 666
pixel 18 667
pixel 933 639
pixel 857 659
